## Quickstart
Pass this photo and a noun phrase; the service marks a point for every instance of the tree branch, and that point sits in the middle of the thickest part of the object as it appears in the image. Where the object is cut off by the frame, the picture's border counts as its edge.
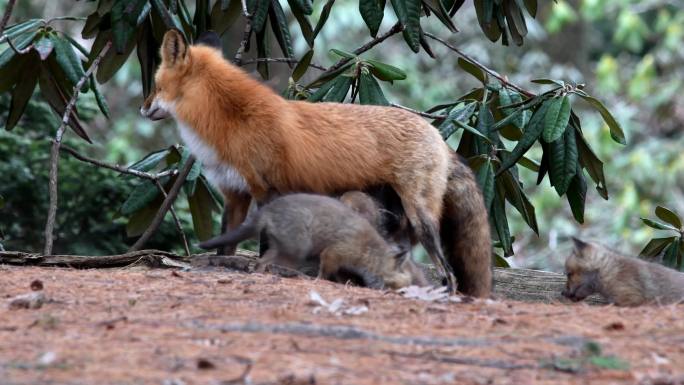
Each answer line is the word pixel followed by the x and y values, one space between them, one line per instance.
pixel 175 218
pixel 117 168
pixel 421 113
pixel 280 60
pixel 246 34
pixel 493 73
pixel 377 40
pixel 54 153
pixel 6 16
pixel 166 205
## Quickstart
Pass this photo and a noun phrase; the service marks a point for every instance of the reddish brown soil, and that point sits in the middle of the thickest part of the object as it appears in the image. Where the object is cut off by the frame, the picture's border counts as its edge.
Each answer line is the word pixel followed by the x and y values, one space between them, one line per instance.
pixel 218 327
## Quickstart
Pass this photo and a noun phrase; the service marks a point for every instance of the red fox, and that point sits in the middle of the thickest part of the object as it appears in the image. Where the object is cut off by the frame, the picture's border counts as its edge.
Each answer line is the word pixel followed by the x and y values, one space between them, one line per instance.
pixel 625 281
pixel 299 226
pixel 254 143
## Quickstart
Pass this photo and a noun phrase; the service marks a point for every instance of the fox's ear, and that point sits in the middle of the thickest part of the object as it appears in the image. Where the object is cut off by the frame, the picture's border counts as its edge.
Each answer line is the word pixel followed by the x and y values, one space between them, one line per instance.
pixel 174 48
pixel 401 257
pixel 210 39
pixel 580 245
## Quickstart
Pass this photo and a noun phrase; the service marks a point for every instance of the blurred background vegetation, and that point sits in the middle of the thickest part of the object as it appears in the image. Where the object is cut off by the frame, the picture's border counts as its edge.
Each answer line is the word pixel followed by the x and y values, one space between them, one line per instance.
pixel 627 52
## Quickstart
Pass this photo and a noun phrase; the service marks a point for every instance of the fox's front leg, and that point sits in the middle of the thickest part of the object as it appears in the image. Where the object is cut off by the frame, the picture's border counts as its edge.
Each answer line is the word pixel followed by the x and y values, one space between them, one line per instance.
pixel 235 209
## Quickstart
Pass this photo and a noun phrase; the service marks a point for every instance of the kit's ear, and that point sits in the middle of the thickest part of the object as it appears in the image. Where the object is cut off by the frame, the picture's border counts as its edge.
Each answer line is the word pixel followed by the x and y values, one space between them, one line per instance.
pixel 580 246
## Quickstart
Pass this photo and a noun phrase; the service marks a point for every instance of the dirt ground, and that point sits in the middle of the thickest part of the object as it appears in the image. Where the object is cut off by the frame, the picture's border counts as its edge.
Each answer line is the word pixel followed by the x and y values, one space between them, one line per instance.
pixel 126 326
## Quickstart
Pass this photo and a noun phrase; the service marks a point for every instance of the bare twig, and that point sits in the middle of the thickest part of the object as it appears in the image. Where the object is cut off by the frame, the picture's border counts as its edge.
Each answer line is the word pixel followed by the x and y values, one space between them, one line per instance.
pixel 54 153
pixel 6 15
pixel 116 167
pixel 166 205
pixel 175 218
pixel 246 34
pixel 396 28
pixel 280 60
pixel 245 12
pixel 17 50
pixel 421 113
pixel 493 73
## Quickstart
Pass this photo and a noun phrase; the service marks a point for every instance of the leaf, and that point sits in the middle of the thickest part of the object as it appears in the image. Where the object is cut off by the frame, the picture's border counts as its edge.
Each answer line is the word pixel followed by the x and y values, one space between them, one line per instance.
pixel 461 114
pixel 68 60
pixel 668 216
pixel 304 24
pixel 655 246
pixel 559 83
pixel 259 13
pixel 280 28
pixel 215 194
pixel 22 92
pixel 529 164
pixel 339 89
pixel 325 12
pixel 592 164
pixel 322 90
pixel 563 161
pixel 530 135
pixel 124 21
pixel 50 90
pixel 500 261
pixel 609 362
pixel 91 26
pixel 112 61
pixel 263 41
pixel 370 92
pixel 141 196
pixel 658 225
pixel 372 12
pixel 21 28
pixel 342 54
pixel 146 50
pixel 201 207
pixel 21 42
pixel 302 65
pixel 99 98
pixel 485 178
pixel 437 8
pixel 196 167
pixel 507 97
pixel 670 256
pixel 150 161
pixel 531 6
pixel 516 196
pixel 140 220
pixel 501 224
pixel 472 69
pixel 305 6
pixel 408 13
pixel 385 72
pixel 11 71
pixel 615 130
pixel 577 195
pixel 556 119
pixel 223 16
pixel 484 10
pixel 44 47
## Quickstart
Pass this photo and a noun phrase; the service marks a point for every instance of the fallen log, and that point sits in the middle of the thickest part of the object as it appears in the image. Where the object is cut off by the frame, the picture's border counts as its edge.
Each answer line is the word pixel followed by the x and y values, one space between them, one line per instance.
pixel 514 284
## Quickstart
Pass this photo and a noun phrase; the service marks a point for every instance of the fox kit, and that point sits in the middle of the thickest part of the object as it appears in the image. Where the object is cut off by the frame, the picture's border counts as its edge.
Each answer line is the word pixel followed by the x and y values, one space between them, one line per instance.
pixel 299 226
pixel 622 280
pixel 254 143
pixel 380 218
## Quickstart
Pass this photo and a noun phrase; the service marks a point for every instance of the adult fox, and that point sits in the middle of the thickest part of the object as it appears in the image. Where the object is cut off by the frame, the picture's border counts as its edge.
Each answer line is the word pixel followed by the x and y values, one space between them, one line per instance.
pixel 254 143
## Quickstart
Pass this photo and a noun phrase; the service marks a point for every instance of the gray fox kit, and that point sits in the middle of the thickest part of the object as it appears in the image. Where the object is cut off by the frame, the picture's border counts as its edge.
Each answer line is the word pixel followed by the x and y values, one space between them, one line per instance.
pixel 302 226
pixel 624 281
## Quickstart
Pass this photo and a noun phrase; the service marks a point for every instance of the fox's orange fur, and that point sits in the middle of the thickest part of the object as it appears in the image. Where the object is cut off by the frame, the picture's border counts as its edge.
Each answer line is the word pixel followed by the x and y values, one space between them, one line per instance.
pixel 253 142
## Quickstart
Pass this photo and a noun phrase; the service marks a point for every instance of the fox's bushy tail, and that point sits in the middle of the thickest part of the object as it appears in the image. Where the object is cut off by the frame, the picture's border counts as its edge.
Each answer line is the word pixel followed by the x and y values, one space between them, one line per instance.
pixel 465 233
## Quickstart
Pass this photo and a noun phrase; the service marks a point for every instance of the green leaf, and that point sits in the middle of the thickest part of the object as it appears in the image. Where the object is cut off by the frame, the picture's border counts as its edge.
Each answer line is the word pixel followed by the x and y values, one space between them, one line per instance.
pixel 302 65
pixel 111 62
pixel 559 83
pixel 342 54
pixel 140 220
pixel 44 47
pixel 460 113
pixel 472 69
pixel 530 135
pixel 385 72
pixel 323 90
pixel 201 207
pixel 150 161
pixel 556 119
pixel 408 13
pixel 615 130
pixel 259 14
pixel 592 164
pixel 437 8
pixel 339 89
pixel 140 197
pixel 124 21
pixel 99 98
pixel 671 253
pixel 91 26
pixel 370 92
pixel 485 178
pixel 372 12
pixel 68 60
pixel 529 164
pixel 11 71
pixel 196 167
pixel 280 28
pixel 668 216
pixel 516 196
pixel 609 362
pixel 659 225
pixel 484 10
pixel 14 31
pixel 325 12
pixel 522 115
pixel 22 92
pixel 577 195
pixel 531 6
pixel 223 16
pixel 305 6
pixel 304 24
pixel 655 246
pixel 498 212
pixel 215 194
pixel 563 161
pixel 263 41
pixel 21 42
pixel 500 261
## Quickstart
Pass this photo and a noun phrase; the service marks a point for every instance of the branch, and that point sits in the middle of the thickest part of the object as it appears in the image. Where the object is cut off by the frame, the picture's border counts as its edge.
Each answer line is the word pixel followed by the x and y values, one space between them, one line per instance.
pixel 280 60
pixel 117 168
pixel 379 39
pixel 166 205
pixel 493 73
pixel 246 34
pixel 175 218
pixel 6 16
pixel 421 113
pixel 54 153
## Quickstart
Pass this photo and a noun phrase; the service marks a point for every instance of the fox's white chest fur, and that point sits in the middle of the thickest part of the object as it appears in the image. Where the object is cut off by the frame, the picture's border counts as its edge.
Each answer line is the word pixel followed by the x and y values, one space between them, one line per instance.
pixel 222 175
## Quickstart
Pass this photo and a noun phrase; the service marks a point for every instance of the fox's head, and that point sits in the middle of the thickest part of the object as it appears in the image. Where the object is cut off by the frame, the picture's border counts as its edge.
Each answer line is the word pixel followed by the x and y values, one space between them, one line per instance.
pixel 582 269
pixel 177 59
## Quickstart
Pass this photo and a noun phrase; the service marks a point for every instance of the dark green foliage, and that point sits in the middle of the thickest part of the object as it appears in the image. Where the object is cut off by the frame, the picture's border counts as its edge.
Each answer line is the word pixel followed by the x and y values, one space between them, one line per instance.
pixel 667 250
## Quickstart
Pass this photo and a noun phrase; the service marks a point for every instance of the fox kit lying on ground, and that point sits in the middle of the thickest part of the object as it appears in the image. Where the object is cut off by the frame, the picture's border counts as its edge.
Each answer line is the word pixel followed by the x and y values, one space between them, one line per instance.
pixel 299 226
pixel 622 280
pixel 254 143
